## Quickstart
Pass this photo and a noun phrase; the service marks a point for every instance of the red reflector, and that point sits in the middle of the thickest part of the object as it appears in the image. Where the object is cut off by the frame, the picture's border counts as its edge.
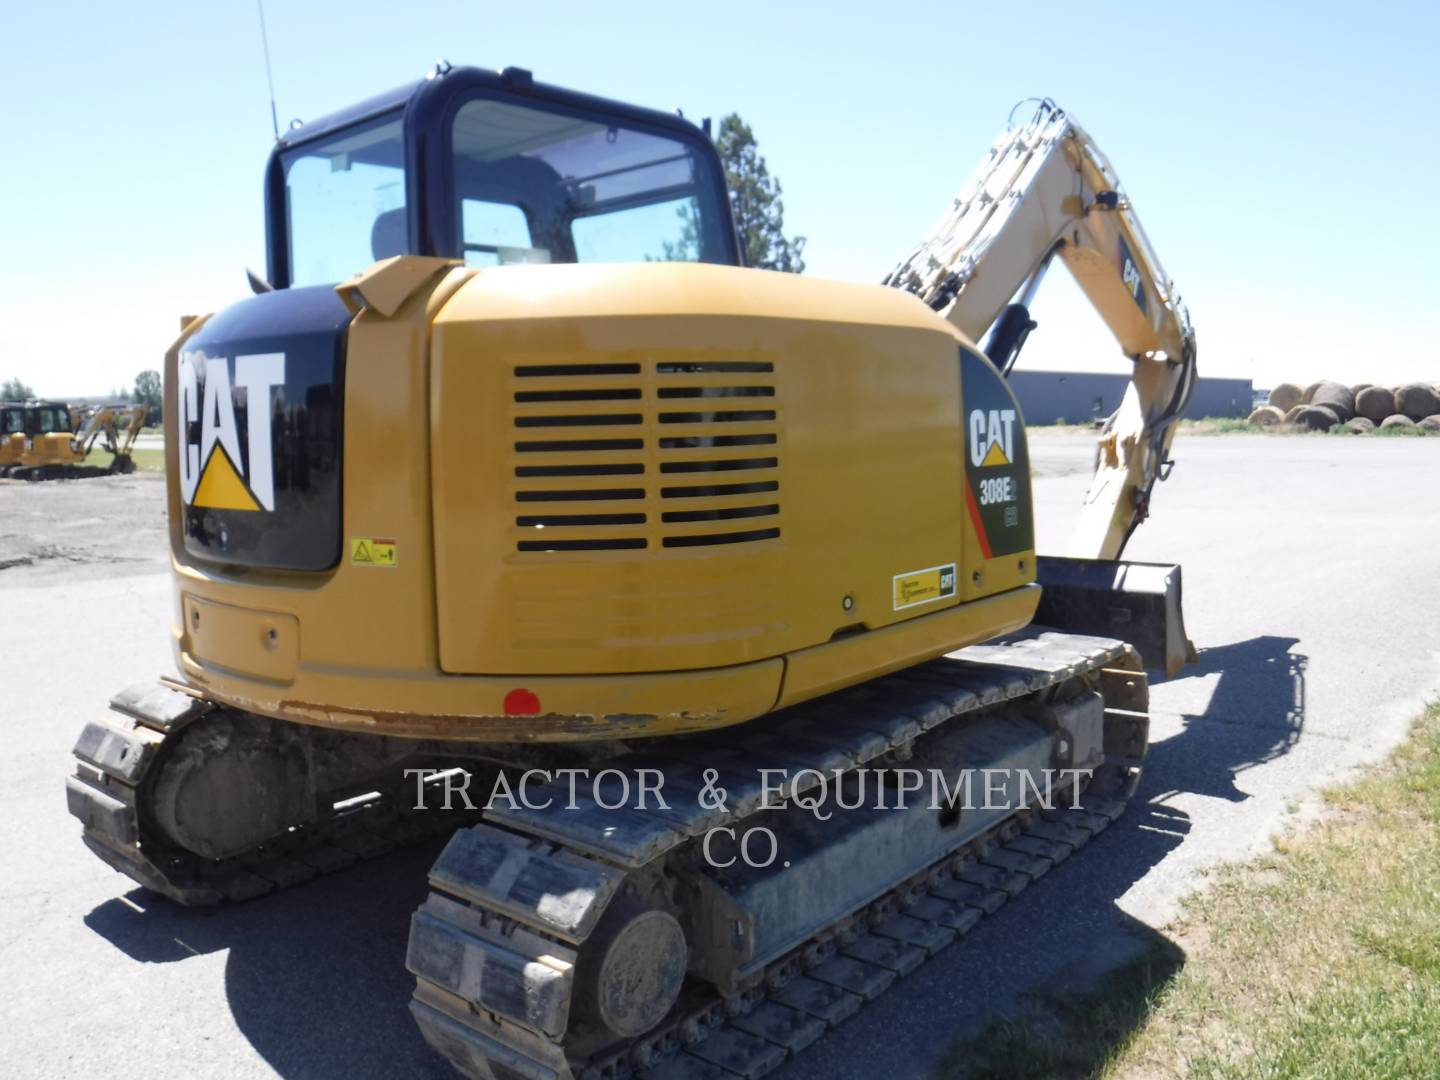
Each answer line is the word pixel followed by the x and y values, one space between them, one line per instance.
pixel 521 703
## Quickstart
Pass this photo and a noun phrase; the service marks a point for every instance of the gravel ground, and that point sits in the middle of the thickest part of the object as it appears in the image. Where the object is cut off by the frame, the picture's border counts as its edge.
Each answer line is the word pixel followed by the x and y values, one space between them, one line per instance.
pixel 1310 594
pixel 81 530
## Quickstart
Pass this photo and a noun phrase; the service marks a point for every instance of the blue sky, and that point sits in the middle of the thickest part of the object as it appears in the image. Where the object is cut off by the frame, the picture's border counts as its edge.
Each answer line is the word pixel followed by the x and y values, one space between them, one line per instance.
pixel 1278 154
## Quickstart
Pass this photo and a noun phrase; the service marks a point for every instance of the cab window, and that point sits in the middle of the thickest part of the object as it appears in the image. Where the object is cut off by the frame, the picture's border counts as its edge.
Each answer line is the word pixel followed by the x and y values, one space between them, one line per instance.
pixel 49 420
pixel 345 202
pixel 536 185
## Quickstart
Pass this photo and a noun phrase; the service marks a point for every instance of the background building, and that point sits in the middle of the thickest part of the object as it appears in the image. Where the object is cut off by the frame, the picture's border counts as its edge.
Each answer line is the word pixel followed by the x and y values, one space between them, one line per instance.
pixel 1077 397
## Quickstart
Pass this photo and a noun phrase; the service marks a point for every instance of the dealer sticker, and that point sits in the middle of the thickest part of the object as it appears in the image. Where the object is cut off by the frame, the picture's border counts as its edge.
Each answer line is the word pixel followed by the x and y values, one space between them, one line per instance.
pixel 923 586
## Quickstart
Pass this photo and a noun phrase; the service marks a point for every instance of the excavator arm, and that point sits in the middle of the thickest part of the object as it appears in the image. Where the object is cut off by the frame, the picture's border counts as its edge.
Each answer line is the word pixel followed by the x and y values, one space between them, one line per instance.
pixel 120 424
pixel 1045 189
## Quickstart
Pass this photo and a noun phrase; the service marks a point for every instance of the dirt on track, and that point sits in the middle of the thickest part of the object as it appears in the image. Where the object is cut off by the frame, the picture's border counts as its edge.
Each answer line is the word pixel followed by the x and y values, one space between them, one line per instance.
pixel 106 526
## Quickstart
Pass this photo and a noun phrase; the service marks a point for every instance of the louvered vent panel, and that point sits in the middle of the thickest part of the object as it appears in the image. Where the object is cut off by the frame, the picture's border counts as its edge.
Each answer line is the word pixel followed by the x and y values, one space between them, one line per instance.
pixel 579 461
pixel 598 446
pixel 718 453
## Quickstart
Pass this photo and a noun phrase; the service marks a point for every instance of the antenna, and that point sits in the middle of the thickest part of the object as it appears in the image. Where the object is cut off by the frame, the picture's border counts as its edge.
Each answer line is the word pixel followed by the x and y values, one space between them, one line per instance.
pixel 269 78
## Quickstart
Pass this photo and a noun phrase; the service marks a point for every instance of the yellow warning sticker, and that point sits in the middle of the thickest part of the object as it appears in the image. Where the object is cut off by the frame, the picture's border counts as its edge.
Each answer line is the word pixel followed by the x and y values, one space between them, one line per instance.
pixel 923 586
pixel 373 551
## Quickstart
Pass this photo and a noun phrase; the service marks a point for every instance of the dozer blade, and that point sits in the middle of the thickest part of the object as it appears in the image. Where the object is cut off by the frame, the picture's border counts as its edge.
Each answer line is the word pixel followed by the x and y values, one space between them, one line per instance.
pixel 1133 601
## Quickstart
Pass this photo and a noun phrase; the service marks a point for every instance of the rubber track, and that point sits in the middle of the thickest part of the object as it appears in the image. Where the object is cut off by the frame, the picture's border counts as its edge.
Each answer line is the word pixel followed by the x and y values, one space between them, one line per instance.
pixel 477 945
pixel 114 758
pixel 827 984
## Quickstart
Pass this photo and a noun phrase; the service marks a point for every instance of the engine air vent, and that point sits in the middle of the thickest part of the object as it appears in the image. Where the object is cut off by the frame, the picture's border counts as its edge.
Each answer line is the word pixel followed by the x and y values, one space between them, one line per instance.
pixel 717 464
pixel 718 441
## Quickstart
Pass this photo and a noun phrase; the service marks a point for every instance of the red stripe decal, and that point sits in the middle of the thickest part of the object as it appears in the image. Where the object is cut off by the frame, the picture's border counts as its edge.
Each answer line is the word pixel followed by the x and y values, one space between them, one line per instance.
pixel 975 520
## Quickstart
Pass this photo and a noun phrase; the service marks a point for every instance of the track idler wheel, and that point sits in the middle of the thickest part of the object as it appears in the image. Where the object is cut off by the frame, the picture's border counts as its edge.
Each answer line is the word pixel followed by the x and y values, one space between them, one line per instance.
pixel 234 781
pixel 632 969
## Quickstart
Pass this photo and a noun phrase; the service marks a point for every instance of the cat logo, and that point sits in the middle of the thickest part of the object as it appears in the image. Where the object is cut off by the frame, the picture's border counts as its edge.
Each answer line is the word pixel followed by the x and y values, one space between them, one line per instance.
pixel 1130 275
pixel 213 471
pixel 992 437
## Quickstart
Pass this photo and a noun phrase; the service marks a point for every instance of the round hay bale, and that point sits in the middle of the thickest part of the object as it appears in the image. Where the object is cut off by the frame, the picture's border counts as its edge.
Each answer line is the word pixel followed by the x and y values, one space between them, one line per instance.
pixel 1309 395
pixel 1285 396
pixel 1293 412
pixel 1375 403
pixel 1397 421
pixel 1267 416
pixel 1417 401
pixel 1431 423
pixel 1317 418
pixel 1360 426
pixel 1360 386
pixel 1337 397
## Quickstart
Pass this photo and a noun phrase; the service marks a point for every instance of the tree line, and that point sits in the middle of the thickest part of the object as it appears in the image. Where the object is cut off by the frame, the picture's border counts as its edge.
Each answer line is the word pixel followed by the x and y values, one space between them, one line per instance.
pixel 148 390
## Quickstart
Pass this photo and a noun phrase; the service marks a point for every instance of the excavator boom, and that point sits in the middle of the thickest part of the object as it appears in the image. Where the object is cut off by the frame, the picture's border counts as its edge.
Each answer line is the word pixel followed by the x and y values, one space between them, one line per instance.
pixel 1046 189
pixel 120 424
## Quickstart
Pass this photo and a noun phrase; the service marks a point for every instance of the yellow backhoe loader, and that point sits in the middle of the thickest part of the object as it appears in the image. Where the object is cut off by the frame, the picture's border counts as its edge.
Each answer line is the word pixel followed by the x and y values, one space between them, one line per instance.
pixel 672 578
pixel 54 440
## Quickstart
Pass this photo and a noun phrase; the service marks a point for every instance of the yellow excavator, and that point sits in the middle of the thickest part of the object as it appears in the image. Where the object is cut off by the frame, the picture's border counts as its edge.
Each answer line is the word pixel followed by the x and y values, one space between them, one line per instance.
pixel 47 440
pixel 686 596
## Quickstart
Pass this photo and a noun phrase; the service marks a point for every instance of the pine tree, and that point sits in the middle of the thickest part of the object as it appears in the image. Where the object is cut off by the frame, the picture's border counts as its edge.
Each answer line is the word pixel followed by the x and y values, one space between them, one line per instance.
pixel 755 198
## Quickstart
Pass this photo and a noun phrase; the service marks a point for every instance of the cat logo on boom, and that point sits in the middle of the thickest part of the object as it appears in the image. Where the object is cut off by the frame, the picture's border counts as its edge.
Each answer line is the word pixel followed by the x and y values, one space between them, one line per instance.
pixel 992 437
pixel 213 471
pixel 1130 275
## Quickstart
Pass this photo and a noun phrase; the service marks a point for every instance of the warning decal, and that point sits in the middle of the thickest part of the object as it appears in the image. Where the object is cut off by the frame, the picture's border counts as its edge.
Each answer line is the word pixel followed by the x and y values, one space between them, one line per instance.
pixel 371 551
pixel 923 586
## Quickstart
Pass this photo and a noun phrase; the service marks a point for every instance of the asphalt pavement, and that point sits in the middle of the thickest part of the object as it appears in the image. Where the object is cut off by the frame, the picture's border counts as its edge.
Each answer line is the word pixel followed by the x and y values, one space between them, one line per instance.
pixel 1310 591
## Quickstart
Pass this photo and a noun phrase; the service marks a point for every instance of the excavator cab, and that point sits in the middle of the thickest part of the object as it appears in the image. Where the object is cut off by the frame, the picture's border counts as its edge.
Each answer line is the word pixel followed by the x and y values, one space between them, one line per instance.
pixel 493 169
pixel 47 432
pixel 12 434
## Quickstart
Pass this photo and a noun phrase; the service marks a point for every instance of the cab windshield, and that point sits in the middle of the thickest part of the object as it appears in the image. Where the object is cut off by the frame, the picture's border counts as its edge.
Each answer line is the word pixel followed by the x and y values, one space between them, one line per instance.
pixel 12 421
pixel 530 185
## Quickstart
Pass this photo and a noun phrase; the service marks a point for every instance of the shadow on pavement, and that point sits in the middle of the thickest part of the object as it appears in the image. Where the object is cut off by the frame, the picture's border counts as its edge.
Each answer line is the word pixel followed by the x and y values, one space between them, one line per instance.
pixel 1062 934
pixel 1255 715
pixel 316 978
pixel 316 975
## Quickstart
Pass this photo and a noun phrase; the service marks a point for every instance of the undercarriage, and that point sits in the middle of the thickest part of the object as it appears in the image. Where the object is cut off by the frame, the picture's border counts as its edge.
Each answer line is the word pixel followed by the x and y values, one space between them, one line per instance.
pixel 122 464
pixel 697 906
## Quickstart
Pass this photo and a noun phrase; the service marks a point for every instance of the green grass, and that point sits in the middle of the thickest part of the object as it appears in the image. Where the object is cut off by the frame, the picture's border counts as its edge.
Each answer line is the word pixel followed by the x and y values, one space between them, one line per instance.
pixel 1397 432
pixel 1067 1035
pixel 147 459
pixel 1224 425
pixel 1320 960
